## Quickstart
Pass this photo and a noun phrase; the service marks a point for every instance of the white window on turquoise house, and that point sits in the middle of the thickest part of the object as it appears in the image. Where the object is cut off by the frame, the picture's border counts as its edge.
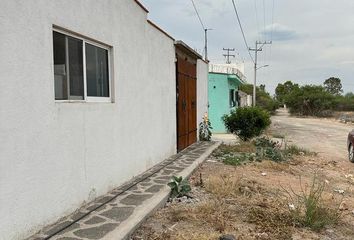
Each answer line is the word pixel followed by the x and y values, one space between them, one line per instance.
pixel 81 69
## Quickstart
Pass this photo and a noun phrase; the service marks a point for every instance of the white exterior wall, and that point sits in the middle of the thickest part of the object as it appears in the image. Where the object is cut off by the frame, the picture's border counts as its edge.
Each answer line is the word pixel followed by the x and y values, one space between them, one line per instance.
pixel 202 91
pixel 54 156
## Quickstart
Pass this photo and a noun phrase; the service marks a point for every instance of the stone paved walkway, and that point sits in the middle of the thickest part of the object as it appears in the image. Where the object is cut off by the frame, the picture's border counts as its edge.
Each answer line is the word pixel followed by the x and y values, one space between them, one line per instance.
pixel 117 208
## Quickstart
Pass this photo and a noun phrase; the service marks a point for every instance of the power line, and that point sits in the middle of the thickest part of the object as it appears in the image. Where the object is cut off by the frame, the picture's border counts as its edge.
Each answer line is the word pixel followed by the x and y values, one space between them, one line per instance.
pixel 243 34
pixel 257 22
pixel 196 11
pixel 228 55
pixel 205 30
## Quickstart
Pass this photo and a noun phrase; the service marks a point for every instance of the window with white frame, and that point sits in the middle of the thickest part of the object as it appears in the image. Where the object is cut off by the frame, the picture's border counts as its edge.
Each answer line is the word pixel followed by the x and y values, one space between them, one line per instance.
pixel 81 69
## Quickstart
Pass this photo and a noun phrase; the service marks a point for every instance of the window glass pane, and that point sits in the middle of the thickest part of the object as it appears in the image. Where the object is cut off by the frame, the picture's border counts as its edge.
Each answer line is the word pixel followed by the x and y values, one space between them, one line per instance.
pixel 60 73
pixel 75 69
pixel 97 71
pixel 232 98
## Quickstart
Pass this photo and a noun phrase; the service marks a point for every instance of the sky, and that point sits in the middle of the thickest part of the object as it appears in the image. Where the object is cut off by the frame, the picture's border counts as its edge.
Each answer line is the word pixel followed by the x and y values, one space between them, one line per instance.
pixel 312 40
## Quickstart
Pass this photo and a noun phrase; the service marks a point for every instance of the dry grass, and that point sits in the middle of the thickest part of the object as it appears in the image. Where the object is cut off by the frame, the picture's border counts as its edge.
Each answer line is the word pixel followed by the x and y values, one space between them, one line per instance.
pixel 310 208
pixel 241 200
pixel 223 186
pixel 242 147
pixel 275 221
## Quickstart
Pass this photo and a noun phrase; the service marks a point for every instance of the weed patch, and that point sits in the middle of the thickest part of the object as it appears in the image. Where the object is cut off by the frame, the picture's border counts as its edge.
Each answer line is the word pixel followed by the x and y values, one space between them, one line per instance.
pixel 309 209
pixel 295 150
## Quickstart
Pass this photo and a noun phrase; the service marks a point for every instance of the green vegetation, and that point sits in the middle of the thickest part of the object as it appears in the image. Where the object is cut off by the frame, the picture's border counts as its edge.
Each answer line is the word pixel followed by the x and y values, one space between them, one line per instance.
pixel 247 122
pixel 262 148
pixel 333 86
pixel 308 208
pixel 263 98
pixel 315 100
pixel 282 90
pixel 179 187
pixel 309 100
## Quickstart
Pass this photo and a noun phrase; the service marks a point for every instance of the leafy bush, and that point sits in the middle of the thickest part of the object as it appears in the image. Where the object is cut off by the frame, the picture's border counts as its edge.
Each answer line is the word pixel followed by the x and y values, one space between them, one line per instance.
pixel 247 122
pixel 344 103
pixel 179 187
pixel 310 100
pixel 263 98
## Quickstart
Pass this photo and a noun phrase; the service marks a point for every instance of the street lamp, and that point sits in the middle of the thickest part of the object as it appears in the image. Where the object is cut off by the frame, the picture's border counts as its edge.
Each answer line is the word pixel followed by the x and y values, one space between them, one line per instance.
pixel 255 82
pixel 263 66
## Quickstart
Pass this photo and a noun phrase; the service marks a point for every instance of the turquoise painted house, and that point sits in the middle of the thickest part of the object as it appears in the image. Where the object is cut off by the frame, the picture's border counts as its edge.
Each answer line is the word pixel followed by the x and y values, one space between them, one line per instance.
pixel 223 86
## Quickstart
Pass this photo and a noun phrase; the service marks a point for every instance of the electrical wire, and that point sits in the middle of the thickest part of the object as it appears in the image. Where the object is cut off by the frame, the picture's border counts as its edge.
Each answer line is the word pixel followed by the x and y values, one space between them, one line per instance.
pixel 196 11
pixel 243 34
pixel 257 21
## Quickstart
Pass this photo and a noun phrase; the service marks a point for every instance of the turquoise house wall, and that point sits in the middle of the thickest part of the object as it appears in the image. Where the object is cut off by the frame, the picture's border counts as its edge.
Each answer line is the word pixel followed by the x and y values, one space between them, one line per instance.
pixel 219 86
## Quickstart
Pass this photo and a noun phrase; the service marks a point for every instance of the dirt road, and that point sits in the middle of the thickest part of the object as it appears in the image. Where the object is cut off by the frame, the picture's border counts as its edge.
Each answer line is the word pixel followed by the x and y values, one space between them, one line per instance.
pixel 325 136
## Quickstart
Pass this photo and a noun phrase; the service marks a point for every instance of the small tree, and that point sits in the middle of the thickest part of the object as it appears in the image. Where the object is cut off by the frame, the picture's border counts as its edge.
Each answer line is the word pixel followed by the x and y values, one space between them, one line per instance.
pixel 333 86
pixel 283 90
pixel 263 98
pixel 247 122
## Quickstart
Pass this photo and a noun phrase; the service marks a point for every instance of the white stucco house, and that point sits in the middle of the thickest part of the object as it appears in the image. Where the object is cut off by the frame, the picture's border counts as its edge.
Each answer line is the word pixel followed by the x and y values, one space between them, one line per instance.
pixel 88 101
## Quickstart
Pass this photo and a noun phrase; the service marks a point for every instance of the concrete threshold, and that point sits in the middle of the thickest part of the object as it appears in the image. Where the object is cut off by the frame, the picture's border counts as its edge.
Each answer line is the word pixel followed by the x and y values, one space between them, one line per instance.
pixel 125 210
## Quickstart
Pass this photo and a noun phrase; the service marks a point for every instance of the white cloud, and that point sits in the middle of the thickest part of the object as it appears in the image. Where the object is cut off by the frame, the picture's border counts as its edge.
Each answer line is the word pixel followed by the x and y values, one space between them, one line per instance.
pixel 279 32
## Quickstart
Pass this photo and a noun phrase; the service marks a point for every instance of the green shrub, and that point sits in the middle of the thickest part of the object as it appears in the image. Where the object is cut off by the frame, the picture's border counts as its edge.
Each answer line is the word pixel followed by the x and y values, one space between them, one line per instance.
pixel 247 122
pixel 179 187
pixel 310 100
pixel 344 103
pixel 263 98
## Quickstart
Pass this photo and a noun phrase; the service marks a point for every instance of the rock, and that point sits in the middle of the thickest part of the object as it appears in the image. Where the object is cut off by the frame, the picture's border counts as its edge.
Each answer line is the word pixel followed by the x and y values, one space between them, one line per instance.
pixel 340 191
pixel 291 206
pixel 263 236
pixel 264 174
pixel 227 237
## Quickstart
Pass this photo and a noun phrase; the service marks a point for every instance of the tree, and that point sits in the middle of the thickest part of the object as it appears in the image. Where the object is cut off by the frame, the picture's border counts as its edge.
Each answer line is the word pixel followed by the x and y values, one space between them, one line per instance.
pixel 310 100
pixel 263 99
pixel 333 86
pixel 262 87
pixel 349 95
pixel 283 90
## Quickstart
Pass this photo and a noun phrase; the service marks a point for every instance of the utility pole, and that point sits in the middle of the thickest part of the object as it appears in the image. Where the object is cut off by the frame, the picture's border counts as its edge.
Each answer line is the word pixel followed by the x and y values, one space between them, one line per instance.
pixel 206 43
pixel 256 50
pixel 228 55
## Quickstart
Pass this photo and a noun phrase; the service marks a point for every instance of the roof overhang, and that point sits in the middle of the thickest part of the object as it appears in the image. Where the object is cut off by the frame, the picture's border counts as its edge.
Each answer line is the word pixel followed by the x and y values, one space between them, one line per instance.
pixel 187 49
pixel 141 5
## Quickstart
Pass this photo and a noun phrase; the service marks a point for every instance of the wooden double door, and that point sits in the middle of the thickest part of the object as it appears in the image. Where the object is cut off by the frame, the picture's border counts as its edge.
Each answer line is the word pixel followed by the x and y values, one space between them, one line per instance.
pixel 186 103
